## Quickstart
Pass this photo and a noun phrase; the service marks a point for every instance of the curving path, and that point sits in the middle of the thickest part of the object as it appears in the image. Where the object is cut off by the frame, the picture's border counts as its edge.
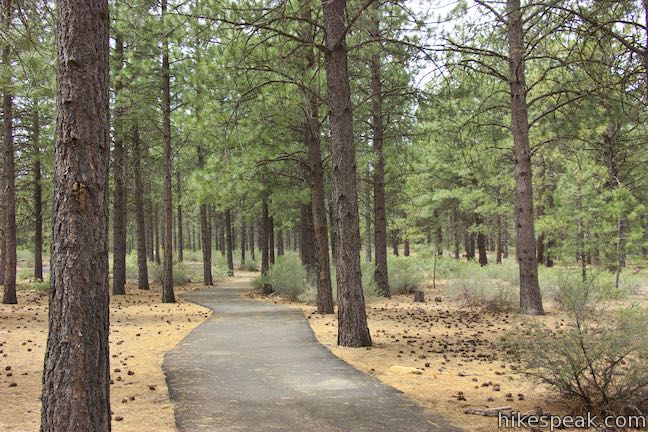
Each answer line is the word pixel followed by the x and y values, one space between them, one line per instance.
pixel 254 366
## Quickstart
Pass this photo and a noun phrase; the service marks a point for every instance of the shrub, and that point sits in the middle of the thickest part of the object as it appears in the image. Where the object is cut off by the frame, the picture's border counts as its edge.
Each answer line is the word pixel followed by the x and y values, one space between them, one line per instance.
pixel 287 277
pixel 25 273
pixel 405 275
pixel 249 266
pixel 42 286
pixel 598 359
pixel 25 257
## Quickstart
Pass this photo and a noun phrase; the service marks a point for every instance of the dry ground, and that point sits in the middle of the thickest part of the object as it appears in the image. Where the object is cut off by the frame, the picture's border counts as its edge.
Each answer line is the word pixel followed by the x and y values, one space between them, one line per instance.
pixel 142 329
pixel 445 357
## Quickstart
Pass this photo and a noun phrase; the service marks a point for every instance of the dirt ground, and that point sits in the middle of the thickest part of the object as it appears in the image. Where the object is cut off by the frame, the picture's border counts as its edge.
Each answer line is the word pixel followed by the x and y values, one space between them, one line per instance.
pixel 443 356
pixel 142 329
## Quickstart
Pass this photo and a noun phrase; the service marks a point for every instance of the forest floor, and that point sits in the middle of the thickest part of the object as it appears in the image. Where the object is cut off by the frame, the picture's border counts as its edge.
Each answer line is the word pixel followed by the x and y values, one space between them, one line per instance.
pixel 444 356
pixel 142 330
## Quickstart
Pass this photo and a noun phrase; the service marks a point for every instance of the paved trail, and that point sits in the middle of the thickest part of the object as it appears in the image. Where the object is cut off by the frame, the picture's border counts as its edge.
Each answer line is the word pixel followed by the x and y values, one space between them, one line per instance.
pixel 254 366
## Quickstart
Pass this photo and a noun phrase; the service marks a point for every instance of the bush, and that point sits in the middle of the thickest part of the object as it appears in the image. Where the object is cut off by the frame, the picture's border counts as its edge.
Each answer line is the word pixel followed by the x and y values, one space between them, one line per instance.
pixel 404 274
pixel 598 359
pixel 287 277
pixel 493 294
pixel 249 266
pixel 25 273
pixel 42 286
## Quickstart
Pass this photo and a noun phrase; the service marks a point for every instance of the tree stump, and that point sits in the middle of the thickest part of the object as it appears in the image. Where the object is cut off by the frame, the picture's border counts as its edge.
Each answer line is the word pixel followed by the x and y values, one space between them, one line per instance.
pixel 419 297
pixel 267 289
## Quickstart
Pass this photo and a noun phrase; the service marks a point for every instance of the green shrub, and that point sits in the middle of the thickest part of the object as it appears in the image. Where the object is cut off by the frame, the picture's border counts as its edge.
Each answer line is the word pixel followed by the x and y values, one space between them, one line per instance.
pixel 287 277
pixel 249 266
pixel 495 295
pixel 598 359
pixel 25 257
pixel 25 273
pixel 42 286
pixel 405 274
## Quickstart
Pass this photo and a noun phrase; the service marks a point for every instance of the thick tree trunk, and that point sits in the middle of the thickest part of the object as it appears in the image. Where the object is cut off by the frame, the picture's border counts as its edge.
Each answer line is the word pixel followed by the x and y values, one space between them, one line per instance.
pixel 265 265
pixel 530 297
pixel 119 174
pixel 38 199
pixel 352 320
pixel 230 242
pixel 9 232
pixel 406 247
pixel 76 374
pixel 142 265
pixel 380 215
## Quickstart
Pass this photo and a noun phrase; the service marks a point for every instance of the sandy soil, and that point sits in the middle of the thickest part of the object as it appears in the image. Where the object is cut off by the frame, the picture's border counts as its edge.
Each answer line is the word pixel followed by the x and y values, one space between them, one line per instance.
pixel 142 329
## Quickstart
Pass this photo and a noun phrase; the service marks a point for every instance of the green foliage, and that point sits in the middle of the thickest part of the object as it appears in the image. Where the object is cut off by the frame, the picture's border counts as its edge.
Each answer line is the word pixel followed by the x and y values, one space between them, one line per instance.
pixel 287 277
pixel 405 274
pixel 597 359
pixel 180 274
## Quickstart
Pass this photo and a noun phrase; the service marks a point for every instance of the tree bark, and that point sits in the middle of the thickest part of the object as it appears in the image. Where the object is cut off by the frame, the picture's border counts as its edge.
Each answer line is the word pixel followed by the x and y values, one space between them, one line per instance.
pixel 38 198
pixel 230 242
pixel 168 296
pixel 76 374
pixel 180 233
pixel 498 242
pixel 380 215
pixel 530 297
pixel 368 227
pixel 271 241
pixel 9 232
pixel 119 174
pixel 252 242
pixel 308 245
pixel 406 247
pixel 352 320
pixel 264 236
pixel 142 265
pixel 394 239
pixel 243 241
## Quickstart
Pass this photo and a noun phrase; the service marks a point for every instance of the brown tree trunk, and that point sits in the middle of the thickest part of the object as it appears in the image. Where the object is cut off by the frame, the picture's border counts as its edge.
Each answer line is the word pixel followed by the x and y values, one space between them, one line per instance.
pixel 142 265
pixel 221 234
pixel 352 319
pixel 394 241
pixel 9 232
pixel 481 242
pixel 243 241
pixel 530 297
pixel 205 231
pixel 406 247
pixel 252 242
pixel 168 296
pixel 308 246
pixel 332 228
pixel 119 174
pixel 498 242
pixel 319 262
pixel 156 245
pixel 271 241
pixel 380 215
pixel 76 374
pixel 38 199
pixel 180 233
pixel 368 227
pixel 230 242
pixel 265 265
pixel 280 243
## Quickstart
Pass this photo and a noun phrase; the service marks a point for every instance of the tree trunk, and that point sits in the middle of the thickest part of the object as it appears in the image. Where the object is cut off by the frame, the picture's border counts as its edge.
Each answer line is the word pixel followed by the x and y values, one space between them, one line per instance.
pixel 530 297
pixel 271 242
pixel 243 242
pixel 230 242
pixel 38 199
pixel 498 242
pixel 252 242
pixel 180 233
pixel 352 320
pixel 76 374
pixel 280 243
pixel 368 228
pixel 380 215
pixel 156 247
pixel 9 232
pixel 119 174
pixel 221 235
pixel 394 239
pixel 168 296
pixel 264 236
pixel 205 232
pixel 406 247
pixel 142 265
pixel 317 229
